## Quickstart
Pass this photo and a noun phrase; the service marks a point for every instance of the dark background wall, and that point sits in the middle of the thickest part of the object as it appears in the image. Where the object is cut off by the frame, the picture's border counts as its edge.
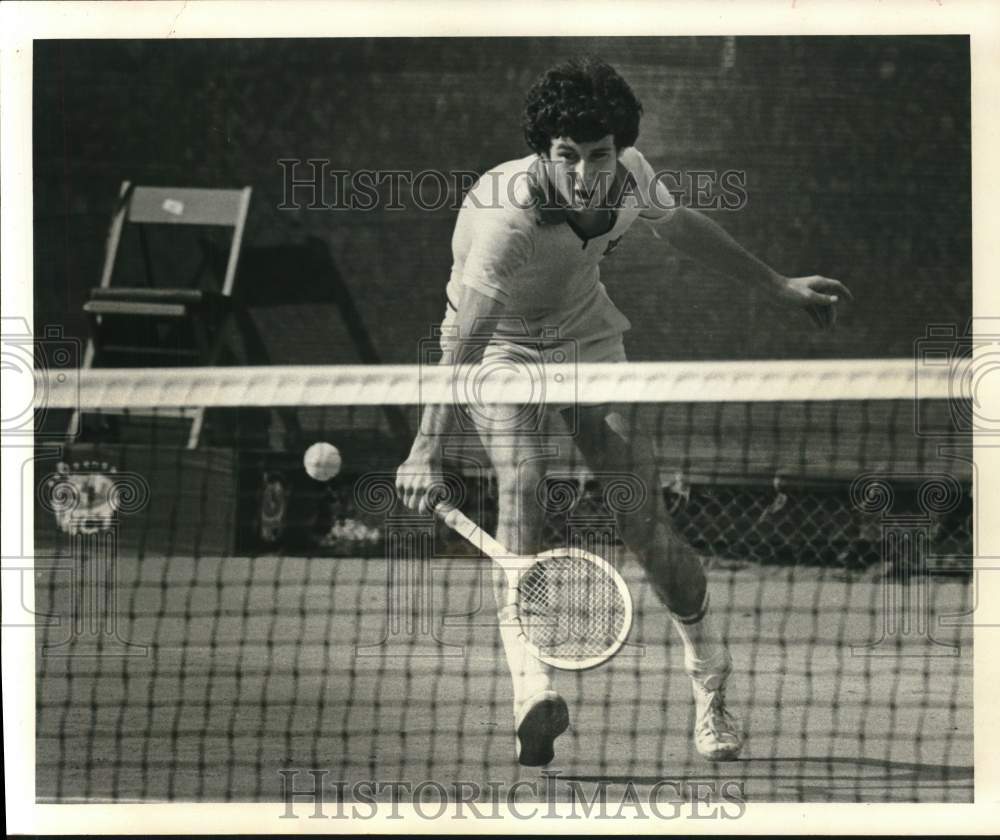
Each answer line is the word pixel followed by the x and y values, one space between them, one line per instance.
pixel 856 152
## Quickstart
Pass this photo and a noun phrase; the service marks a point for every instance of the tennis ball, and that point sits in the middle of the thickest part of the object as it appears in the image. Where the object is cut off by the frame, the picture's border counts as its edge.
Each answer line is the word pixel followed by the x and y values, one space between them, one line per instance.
pixel 322 461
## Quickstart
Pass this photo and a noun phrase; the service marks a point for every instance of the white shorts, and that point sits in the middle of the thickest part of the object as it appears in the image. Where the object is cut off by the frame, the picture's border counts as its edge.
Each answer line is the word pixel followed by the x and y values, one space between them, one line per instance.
pixel 608 348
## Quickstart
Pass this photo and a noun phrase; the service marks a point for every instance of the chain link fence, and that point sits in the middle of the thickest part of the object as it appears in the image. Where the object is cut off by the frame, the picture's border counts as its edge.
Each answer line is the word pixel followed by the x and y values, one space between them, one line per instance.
pixel 732 522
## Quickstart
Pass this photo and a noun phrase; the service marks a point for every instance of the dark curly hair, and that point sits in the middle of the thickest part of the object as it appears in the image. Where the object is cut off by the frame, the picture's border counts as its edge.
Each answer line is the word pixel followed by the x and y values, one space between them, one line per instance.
pixel 584 99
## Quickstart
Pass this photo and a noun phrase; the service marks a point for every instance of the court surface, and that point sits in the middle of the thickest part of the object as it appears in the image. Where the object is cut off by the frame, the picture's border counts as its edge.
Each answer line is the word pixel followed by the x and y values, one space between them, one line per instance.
pixel 255 665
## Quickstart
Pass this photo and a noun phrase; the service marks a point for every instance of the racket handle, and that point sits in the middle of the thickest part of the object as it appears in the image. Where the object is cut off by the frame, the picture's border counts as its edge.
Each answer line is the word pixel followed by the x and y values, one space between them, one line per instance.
pixel 461 524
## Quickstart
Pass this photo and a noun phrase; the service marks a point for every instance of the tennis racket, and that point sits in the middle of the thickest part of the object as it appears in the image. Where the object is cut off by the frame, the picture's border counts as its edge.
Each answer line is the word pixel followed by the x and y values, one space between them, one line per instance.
pixel 573 609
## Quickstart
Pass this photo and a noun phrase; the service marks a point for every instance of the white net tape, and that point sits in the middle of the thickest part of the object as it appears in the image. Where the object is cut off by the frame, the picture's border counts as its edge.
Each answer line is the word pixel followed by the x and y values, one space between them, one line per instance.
pixel 633 382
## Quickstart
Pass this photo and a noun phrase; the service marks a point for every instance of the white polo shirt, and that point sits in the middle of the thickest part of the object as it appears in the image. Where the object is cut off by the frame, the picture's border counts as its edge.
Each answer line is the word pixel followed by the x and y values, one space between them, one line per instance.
pixel 512 242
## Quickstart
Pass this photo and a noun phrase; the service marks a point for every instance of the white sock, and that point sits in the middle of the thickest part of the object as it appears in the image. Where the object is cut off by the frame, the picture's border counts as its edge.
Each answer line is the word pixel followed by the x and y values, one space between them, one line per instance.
pixel 702 645
pixel 528 674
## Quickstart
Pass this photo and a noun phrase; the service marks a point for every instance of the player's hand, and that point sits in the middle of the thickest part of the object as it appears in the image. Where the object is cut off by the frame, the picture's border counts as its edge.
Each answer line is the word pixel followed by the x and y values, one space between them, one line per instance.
pixel 818 295
pixel 416 477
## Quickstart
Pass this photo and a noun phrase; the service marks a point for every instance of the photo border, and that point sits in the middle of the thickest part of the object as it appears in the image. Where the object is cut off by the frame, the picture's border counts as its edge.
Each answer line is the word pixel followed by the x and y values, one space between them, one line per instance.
pixel 21 22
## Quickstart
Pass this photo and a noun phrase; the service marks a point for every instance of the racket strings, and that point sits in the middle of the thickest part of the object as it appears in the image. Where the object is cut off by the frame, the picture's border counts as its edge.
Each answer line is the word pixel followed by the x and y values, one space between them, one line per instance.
pixel 571 607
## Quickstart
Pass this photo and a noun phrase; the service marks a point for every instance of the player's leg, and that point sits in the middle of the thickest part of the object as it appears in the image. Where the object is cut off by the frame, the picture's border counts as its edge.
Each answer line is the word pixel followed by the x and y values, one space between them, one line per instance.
pixel 518 457
pixel 615 445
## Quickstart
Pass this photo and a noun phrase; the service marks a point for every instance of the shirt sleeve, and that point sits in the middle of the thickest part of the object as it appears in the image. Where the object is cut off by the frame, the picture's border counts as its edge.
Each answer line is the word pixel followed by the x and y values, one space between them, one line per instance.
pixel 655 201
pixel 499 251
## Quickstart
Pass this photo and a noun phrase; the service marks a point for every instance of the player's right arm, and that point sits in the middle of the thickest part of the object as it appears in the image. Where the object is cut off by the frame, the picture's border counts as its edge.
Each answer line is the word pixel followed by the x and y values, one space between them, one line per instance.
pixel 422 467
pixel 500 247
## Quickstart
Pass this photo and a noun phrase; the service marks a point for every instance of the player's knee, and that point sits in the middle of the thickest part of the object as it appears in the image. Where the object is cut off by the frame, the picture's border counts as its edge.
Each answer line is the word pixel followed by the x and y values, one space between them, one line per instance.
pixel 677 577
pixel 680 594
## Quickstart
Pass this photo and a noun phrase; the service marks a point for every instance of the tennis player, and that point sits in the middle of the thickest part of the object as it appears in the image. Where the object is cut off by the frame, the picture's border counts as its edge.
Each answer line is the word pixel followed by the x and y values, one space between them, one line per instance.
pixel 525 287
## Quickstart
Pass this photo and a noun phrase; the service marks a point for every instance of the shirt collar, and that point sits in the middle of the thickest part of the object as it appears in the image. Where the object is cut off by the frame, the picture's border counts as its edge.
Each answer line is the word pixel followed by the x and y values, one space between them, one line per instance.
pixel 548 204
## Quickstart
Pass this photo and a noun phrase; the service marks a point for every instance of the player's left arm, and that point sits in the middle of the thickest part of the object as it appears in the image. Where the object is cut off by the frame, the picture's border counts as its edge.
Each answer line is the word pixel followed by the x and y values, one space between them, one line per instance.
pixel 704 240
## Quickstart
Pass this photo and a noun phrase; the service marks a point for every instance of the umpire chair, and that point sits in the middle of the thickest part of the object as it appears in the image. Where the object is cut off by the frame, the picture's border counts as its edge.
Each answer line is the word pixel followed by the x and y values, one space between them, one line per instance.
pixel 148 324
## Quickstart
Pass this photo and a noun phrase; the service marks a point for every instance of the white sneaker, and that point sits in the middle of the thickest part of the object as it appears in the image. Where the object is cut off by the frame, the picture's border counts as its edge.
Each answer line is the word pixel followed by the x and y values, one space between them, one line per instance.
pixel 539 720
pixel 717 734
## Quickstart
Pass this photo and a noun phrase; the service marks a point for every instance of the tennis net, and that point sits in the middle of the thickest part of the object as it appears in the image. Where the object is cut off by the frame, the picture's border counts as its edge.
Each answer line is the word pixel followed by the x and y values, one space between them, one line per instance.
pixel 218 625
